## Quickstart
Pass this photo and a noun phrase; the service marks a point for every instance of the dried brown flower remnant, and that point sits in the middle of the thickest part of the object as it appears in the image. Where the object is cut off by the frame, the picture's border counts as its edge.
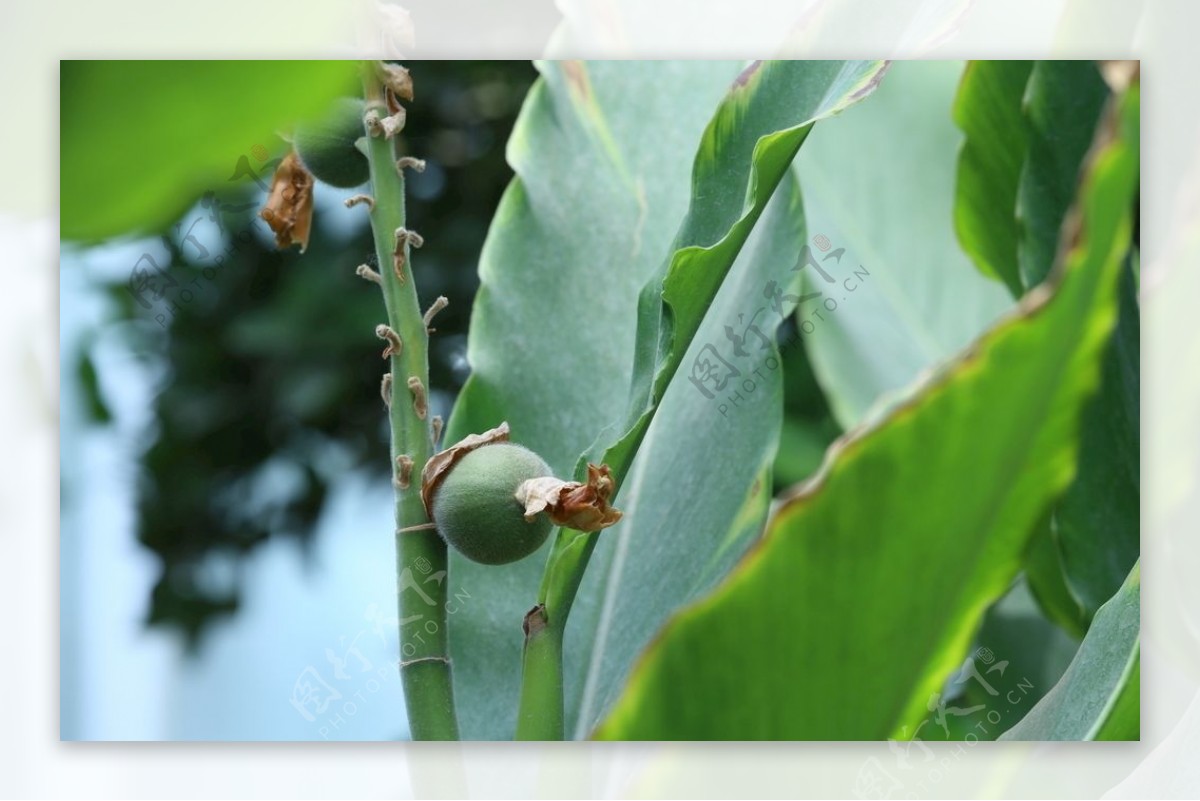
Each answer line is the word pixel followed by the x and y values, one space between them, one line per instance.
pixel 397 80
pixel 289 207
pixel 438 466
pixel 583 507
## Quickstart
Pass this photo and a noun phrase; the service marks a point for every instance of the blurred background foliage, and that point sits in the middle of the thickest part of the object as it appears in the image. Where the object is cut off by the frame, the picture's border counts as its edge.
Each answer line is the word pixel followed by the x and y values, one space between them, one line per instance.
pixel 270 369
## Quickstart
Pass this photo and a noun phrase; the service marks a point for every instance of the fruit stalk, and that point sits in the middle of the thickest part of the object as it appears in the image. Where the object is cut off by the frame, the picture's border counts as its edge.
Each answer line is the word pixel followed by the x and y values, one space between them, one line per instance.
pixel 540 714
pixel 420 552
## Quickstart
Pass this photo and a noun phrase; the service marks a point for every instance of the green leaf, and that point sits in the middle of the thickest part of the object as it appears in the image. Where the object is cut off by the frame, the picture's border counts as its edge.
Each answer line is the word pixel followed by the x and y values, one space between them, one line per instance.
pixel 903 297
pixel 1027 143
pixel 698 491
pixel 988 110
pixel 1098 697
pixel 1097 524
pixel 865 591
pixel 748 145
pixel 1062 105
pixel 1048 580
pixel 602 175
pixel 1018 657
pixel 141 140
pixel 553 332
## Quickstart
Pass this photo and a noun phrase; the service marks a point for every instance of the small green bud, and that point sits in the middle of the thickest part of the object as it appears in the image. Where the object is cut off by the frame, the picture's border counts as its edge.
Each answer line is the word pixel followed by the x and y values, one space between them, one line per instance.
pixel 327 146
pixel 476 509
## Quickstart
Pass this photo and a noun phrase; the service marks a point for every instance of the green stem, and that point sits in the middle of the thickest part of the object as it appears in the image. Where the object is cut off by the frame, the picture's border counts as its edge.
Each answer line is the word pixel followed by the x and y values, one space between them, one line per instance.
pixel 420 555
pixel 541 672
pixel 540 715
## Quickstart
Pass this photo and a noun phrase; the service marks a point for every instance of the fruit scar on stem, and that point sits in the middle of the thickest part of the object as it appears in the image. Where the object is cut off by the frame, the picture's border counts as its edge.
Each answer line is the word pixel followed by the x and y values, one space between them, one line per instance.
pixel 351 202
pixel 385 389
pixel 436 307
pixel 420 406
pixel 365 271
pixel 394 344
pixel 393 124
pixel 408 162
pixel 404 466
pixel 372 122
pixel 403 237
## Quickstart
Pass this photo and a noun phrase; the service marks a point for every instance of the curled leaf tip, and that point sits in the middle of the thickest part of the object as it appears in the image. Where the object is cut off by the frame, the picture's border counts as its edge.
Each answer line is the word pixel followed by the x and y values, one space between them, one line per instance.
pixel 583 507
pixel 289 207
pixel 439 464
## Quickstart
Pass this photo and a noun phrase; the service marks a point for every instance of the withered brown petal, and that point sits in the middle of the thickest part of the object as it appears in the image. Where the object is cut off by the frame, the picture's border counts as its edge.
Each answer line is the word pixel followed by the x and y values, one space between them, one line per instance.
pixel 398 80
pixel 583 507
pixel 439 464
pixel 289 207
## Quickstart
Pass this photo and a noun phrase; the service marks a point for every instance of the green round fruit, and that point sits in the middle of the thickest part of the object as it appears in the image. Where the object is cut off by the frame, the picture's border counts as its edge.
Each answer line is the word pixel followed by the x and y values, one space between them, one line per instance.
pixel 327 146
pixel 476 510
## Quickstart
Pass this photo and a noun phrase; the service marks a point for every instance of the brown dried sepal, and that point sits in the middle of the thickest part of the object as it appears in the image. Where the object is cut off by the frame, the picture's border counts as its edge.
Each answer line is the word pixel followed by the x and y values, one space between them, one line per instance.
pixel 439 465
pixel 289 207
pixel 583 507
pixel 397 79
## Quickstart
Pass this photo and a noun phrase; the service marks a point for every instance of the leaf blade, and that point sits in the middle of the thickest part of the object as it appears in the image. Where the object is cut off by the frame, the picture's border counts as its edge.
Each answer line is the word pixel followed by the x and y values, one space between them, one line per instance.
pixel 825 547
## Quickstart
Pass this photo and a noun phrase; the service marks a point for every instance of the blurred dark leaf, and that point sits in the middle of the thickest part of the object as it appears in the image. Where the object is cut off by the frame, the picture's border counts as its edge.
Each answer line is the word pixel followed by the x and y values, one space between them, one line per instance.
pixel 988 110
pixel 1098 522
pixel 271 389
pixel 1061 104
pixel 89 383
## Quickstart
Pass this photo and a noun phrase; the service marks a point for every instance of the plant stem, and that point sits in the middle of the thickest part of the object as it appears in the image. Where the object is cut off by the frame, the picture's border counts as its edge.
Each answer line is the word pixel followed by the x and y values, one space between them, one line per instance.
pixel 540 716
pixel 420 554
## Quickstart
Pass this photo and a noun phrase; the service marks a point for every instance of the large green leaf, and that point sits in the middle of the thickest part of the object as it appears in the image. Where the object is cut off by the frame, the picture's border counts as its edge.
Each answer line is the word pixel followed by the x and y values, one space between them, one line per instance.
pixel 602 167
pixel 880 184
pixel 1028 130
pixel 553 345
pixel 1099 696
pixel 864 594
pixel 143 139
pixel 698 491
pixel 1097 524
pixel 988 110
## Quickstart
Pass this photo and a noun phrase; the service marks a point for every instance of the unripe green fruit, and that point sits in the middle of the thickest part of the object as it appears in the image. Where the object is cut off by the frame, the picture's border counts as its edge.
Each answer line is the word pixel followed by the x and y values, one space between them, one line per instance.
pixel 476 510
pixel 327 146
